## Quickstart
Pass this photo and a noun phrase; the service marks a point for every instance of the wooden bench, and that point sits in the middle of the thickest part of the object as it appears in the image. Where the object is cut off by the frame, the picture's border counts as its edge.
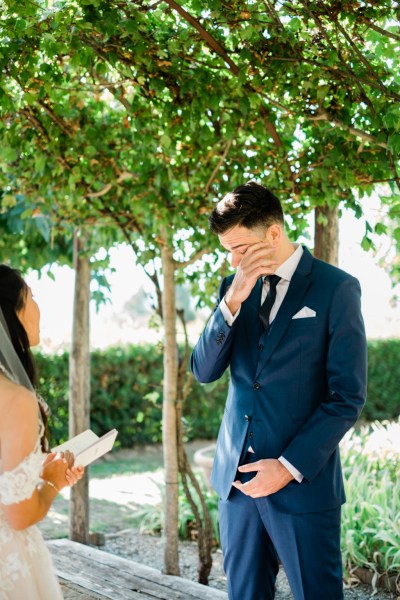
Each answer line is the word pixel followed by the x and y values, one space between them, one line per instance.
pixel 108 576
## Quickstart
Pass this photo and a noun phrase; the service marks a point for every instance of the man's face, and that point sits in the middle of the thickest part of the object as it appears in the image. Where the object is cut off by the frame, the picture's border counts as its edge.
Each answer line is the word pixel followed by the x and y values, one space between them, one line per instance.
pixel 238 239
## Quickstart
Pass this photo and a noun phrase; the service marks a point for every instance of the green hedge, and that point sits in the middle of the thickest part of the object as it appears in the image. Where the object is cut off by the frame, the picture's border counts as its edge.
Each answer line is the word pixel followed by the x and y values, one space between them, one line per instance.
pixel 383 400
pixel 126 393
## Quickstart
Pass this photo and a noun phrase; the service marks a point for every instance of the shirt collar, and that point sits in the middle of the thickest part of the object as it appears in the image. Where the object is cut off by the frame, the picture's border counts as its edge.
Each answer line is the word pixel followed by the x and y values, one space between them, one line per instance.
pixel 287 268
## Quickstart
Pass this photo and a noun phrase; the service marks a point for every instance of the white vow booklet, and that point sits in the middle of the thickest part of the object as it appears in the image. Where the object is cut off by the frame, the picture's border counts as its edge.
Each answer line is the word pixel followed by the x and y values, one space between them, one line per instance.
pixel 87 446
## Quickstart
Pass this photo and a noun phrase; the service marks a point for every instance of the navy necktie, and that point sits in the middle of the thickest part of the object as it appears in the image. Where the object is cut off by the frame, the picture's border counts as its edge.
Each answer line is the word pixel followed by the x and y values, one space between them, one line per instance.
pixel 268 303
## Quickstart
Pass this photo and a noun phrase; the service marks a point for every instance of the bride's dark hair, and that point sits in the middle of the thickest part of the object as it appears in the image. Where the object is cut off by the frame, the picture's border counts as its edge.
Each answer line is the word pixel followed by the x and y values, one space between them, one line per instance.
pixel 13 293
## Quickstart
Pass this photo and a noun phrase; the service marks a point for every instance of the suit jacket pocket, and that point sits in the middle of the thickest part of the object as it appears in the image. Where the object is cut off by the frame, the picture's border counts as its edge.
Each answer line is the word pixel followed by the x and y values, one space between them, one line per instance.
pixel 304 322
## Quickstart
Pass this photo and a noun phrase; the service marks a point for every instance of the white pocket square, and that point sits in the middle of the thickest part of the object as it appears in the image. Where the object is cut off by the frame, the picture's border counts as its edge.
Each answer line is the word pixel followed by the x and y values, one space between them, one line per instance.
pixel 304 313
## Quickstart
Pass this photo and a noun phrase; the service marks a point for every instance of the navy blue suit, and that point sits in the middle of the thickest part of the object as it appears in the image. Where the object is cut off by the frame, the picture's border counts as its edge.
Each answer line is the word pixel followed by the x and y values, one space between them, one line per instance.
pixel 294 391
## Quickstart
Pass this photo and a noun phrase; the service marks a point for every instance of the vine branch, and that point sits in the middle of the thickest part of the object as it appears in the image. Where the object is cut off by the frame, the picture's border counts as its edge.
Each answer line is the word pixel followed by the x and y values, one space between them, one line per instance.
pixel 211 42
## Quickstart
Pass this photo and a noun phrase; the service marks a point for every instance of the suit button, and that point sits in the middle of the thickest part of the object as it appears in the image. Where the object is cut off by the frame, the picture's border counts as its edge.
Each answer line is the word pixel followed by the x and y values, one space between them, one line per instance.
pixel 246 418
pixel 261 347
pixel 256 386
pixel 250 434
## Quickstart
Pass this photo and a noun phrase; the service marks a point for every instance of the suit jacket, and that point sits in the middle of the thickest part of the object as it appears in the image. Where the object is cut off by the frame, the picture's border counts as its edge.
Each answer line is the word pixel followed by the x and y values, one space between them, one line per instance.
pixel 296 388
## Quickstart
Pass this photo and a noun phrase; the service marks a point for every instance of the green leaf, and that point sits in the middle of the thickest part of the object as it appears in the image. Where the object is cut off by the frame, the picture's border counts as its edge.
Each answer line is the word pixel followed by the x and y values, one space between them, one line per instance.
pixel 30 98
pixel 380 228
pixel 20 25
pixel 393 143
pixel 8 154
pixel 396 234
pixel 244 105
pixel 165 141
pixel 40 162
pixel 367 243
pixel 43 226
pixel 392 118
pixel 8 201
pixel 295 24
pixel 394 210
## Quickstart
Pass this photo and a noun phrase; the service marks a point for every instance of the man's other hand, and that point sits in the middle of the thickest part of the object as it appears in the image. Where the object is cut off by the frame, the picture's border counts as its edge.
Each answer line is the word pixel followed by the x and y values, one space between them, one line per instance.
pixel 271 476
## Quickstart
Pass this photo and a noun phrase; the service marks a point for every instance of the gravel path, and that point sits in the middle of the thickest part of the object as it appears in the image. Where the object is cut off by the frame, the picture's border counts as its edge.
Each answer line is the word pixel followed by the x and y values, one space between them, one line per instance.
pixel 149 550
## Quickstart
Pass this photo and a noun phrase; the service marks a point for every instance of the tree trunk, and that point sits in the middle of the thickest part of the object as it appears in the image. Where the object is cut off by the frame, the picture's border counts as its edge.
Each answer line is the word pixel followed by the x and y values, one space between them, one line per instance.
pixel 326 243
pixel 170 450
pixel 79 386
pixel 201 513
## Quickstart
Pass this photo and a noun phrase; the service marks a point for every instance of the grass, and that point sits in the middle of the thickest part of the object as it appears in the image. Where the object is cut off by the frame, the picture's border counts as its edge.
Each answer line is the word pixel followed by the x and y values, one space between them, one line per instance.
pixel 117 493
pixel 122 465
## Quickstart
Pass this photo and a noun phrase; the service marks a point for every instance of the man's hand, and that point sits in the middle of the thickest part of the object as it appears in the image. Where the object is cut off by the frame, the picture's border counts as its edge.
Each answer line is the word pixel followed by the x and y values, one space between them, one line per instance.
pixel 271 477
pixel 258 260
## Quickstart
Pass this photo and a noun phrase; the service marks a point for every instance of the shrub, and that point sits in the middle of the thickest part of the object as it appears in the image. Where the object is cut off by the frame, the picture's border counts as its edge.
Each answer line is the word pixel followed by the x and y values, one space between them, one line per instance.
pixel 152 516
pixel 383 380
pixel 370 524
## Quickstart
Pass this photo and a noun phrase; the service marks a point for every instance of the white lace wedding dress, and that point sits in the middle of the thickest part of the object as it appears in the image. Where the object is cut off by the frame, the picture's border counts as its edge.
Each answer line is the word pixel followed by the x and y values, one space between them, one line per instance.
pixel 26 568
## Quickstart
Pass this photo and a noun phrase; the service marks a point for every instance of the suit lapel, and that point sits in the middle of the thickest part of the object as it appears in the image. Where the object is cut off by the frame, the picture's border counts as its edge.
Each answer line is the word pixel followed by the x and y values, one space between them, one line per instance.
pixel 294 296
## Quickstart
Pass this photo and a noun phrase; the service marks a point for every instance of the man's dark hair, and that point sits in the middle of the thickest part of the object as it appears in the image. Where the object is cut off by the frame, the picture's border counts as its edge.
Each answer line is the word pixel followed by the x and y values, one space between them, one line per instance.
pixel 249 205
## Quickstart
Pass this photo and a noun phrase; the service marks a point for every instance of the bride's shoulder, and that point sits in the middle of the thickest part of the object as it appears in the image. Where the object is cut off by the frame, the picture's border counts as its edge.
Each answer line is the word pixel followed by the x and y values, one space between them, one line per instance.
pixel 16 402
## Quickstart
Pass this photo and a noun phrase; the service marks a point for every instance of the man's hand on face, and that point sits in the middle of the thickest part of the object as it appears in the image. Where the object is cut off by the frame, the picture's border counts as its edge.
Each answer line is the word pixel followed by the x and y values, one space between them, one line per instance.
pixel 258 260
pixel 271 476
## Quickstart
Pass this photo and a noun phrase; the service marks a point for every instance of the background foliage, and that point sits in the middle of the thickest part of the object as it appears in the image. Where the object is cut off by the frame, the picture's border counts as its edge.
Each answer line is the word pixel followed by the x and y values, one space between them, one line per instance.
pixel 107 107
pixel 126 393
pixel 383 380
pixel 370 523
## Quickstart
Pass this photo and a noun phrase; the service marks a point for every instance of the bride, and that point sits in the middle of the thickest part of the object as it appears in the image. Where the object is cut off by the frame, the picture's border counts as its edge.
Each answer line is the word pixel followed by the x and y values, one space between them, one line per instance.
pixel 30 478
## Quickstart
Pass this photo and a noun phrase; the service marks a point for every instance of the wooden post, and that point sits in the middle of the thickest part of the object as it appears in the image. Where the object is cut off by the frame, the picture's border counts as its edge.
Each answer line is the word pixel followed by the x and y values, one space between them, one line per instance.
pixel 170 447
pixel 79 385
pixel 326 243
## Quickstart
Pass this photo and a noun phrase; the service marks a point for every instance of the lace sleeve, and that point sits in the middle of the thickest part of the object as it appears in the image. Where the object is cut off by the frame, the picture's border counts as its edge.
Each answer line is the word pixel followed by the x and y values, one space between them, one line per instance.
pixel 19 484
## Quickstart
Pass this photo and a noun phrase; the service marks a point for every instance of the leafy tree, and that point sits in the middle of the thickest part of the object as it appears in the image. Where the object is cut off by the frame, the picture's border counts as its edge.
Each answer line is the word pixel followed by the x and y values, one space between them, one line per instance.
pixel 136 115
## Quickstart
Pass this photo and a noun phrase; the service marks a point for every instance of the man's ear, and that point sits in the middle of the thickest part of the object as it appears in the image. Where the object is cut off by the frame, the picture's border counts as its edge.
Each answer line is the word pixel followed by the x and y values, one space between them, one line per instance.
pixel 274 234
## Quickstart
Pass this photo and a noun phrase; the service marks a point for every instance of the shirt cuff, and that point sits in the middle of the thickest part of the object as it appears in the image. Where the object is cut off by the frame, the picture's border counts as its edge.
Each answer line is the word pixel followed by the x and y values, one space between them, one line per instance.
pixel 226 313
pixel 292 470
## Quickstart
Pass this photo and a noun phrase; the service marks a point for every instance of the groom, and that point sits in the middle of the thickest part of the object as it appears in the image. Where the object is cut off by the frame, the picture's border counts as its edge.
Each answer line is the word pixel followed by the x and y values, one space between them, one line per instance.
pixel 290 329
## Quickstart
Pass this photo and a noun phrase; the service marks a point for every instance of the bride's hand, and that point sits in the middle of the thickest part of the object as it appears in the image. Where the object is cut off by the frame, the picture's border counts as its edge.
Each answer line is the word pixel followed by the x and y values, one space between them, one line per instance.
pixel 58 469
pixel 74 474
pixel 51 456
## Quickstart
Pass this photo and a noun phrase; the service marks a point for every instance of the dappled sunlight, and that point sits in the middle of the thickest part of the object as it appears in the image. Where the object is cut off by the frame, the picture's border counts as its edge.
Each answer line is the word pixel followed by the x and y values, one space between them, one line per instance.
pixel 143 488
pixel 135 489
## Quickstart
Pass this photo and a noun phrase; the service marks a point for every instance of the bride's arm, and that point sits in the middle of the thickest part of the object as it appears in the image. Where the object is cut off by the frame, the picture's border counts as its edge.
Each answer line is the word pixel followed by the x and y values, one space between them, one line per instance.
pixel 18 437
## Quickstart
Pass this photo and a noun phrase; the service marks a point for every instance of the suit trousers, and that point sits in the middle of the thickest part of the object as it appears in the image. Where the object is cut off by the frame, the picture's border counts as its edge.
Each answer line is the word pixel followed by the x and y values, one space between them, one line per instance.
pixel 255 536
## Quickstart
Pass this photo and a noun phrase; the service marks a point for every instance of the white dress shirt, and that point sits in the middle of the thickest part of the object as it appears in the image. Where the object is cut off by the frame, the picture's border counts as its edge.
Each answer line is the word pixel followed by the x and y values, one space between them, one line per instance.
pixel 285 272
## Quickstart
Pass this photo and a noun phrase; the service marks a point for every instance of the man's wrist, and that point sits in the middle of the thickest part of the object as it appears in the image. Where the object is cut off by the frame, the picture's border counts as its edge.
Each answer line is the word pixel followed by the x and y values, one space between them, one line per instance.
pixel 226 313
pixel 232 304
pixel 295 473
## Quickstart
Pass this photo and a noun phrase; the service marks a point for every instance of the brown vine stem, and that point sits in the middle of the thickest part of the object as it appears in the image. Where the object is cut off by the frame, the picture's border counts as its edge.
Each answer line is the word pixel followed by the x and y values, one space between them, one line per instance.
pixel 211 42
pixel 218 166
